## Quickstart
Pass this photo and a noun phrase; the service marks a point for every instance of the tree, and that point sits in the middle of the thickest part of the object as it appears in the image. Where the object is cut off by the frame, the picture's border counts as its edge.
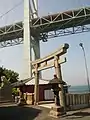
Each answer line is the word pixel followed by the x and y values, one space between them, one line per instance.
pixel 10 76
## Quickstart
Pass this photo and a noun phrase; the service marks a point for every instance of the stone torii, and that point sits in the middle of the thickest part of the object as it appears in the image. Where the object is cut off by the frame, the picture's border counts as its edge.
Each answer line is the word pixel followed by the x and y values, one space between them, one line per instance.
pixel 52 60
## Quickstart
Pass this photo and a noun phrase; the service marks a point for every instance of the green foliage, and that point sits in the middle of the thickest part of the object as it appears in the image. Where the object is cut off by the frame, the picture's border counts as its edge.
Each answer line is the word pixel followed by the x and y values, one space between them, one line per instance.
pixel 10 76
pixel 14 91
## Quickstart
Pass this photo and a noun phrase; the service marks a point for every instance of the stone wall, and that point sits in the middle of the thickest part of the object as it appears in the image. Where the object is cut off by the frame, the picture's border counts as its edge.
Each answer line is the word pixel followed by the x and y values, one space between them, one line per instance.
pixel 6 93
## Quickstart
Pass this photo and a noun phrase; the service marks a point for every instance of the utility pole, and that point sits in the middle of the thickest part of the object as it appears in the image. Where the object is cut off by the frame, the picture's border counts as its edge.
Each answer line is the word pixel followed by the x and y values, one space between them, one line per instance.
pixel 81 45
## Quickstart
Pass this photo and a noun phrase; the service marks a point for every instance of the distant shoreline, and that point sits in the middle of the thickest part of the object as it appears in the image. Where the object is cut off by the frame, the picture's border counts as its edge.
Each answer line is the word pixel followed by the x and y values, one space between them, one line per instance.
pixel 78 89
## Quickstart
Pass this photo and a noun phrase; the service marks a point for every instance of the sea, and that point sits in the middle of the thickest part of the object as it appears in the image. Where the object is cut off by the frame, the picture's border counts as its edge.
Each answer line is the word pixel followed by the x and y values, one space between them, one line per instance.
pixel 78 89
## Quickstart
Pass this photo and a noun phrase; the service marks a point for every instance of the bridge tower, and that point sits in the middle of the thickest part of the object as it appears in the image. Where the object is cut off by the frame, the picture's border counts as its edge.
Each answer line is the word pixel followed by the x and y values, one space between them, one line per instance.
pixel 30 42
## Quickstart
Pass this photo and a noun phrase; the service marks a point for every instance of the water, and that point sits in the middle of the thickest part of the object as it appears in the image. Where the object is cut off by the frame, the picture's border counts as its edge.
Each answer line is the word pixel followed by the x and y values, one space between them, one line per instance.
pixel 78 89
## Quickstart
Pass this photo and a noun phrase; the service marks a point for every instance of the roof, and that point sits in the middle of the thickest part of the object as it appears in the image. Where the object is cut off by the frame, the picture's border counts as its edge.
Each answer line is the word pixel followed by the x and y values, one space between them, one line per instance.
pixel 41 81
pixel 31 81
pixel 21 82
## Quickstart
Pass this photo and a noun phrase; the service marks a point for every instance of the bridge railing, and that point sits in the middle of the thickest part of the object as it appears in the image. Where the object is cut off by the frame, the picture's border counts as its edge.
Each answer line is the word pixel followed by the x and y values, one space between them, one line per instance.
pixel 76 101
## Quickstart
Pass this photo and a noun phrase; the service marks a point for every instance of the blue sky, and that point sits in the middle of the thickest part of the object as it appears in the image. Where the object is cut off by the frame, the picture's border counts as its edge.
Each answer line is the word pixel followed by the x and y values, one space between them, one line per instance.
pixel 74 70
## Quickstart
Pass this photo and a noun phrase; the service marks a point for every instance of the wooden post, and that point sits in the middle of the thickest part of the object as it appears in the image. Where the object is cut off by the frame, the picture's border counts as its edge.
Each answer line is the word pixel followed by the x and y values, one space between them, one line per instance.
pixel 58 73
pixel 36 88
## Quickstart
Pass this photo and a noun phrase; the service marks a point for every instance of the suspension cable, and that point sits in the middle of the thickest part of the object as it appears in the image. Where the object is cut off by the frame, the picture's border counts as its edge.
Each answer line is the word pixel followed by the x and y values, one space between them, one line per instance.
pixel 11 9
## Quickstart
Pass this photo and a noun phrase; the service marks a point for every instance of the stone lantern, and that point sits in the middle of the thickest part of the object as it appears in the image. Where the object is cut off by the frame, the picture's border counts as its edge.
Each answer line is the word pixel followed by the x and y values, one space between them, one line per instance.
pixel 56 110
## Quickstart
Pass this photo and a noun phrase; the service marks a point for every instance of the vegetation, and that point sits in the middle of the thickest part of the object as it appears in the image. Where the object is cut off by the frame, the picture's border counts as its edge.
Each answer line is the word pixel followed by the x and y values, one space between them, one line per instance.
pixel 15 91
pixel 9 75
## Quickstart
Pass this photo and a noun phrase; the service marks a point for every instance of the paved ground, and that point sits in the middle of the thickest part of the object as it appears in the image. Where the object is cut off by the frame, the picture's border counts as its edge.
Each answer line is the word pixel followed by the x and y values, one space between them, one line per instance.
pixel 14 112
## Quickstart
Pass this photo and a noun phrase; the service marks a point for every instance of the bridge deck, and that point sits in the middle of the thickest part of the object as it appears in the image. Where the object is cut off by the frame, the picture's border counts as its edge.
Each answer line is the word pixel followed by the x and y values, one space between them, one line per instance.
pixel 47 24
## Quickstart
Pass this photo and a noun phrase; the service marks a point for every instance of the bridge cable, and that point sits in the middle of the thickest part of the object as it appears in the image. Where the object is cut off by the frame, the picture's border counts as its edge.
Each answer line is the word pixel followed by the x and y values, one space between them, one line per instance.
pixel 1 43
pixel 11 9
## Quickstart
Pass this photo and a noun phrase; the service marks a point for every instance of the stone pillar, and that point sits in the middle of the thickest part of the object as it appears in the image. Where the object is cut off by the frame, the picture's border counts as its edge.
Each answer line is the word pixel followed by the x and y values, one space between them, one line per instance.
pixel 27 41
pixel 58 73
pixel 36 88
pixel 36 48
pixel 56 96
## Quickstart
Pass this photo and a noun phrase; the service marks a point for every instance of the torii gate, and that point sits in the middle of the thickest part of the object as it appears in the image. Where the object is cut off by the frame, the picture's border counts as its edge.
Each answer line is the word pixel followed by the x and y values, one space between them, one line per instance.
pixel 52 60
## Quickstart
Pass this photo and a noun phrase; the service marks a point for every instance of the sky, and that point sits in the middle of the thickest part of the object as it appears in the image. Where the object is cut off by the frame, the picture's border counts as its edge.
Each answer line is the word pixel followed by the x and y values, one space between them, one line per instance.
pixel 73 71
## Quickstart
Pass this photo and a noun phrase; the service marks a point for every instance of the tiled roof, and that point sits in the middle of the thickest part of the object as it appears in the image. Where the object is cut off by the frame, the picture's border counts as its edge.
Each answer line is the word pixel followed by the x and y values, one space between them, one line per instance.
pixel 21 82
pixel 41 81
pixel 31 81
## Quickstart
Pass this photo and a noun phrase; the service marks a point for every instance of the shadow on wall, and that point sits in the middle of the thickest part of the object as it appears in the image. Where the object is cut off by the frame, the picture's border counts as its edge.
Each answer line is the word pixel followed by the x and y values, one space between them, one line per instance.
pixel 18 113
